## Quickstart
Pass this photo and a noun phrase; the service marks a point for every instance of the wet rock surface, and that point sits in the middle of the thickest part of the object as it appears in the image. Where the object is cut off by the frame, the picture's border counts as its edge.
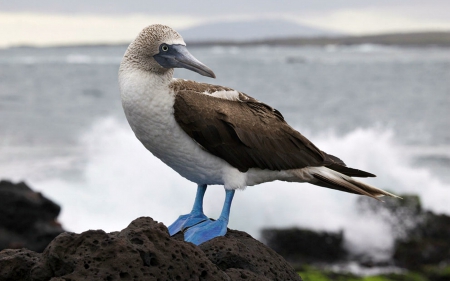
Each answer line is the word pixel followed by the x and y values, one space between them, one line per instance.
pixel 426 245
pixel 145 251
pixel 305 246
pixel 27 218
pixel 422 237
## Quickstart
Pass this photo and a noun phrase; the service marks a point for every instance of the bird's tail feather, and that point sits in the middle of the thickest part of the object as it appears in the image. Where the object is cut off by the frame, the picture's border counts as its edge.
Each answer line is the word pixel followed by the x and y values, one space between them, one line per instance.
pixel 332 179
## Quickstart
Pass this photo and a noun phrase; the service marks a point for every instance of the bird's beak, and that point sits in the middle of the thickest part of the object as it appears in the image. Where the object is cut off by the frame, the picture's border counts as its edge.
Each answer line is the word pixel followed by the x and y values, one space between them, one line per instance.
pixel 177 56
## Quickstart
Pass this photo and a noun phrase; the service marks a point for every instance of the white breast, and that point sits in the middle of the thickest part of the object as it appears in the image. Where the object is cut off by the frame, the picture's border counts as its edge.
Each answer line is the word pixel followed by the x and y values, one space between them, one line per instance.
pixel 148 106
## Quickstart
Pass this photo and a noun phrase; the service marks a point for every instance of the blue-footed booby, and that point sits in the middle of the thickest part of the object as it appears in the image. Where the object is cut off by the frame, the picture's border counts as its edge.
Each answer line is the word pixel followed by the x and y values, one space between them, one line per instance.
pixel 215 135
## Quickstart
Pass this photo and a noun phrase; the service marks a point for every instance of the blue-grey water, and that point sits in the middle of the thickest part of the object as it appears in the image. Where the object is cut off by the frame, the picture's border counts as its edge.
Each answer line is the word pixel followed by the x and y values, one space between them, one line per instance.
pixel 382 109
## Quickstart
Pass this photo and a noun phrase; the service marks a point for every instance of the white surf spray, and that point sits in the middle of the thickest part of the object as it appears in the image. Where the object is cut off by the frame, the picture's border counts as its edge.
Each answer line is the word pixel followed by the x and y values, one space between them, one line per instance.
pixel 121 181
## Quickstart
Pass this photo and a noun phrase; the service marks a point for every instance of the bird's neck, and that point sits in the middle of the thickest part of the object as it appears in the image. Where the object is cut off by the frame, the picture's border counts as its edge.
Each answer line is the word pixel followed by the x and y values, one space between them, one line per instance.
pixel 137 81
pixel 147 101
pixel 146 96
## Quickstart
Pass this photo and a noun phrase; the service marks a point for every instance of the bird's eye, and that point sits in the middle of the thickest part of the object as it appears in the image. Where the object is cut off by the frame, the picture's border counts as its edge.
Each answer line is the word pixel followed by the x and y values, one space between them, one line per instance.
pixel 165 48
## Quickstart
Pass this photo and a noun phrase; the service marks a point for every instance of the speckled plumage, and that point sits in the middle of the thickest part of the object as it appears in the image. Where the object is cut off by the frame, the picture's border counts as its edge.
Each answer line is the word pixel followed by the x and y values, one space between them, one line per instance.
pixel 140 52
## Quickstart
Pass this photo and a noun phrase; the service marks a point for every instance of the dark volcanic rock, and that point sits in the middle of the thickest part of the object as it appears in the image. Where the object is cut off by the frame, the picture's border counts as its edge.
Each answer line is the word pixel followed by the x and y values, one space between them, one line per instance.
pixel 145 251
pixel 422 237
pixel 27 218
pixel 427 244
pixel 242 257
pixel 301 246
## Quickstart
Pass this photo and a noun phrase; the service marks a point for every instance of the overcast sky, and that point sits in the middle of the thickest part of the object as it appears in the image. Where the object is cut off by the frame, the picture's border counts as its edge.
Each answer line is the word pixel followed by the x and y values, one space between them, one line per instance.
pixel 418 8
pixel 46 22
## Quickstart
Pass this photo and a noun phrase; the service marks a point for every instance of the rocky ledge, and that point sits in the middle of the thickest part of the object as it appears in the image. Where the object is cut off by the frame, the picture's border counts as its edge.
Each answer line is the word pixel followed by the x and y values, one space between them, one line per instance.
pixel 145 251
pixel 27 218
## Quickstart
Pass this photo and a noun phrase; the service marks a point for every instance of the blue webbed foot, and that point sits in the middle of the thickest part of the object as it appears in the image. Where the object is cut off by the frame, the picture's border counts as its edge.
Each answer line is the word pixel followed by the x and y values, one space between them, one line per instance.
pixel 185 221
pixel 196 226
pixel 194 217
pixel 206 231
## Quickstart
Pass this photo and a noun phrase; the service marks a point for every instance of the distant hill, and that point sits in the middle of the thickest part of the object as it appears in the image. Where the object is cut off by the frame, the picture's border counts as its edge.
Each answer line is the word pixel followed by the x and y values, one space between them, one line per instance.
pixel 399 39
pixel 250 30
pixel 416 39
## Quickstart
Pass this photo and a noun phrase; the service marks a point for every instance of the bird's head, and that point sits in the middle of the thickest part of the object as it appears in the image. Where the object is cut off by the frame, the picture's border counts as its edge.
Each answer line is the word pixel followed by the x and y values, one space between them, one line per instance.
pixel 159 48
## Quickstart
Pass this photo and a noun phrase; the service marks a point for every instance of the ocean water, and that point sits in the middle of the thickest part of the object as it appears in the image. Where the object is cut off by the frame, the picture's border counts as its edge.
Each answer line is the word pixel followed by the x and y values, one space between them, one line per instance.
pixel 381 109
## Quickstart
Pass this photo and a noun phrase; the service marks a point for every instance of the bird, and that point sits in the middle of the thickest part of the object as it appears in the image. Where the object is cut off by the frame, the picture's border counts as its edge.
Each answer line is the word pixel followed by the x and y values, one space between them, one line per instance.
pixel 215 135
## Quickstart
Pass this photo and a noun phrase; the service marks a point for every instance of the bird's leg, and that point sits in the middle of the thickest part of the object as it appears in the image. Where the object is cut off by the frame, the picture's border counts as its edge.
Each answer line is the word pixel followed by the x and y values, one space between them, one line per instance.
pixel 194 217
pixel 209 229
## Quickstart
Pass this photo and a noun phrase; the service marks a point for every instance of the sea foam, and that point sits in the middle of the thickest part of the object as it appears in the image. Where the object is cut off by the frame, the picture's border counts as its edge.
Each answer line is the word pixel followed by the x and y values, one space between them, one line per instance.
pixel 121 180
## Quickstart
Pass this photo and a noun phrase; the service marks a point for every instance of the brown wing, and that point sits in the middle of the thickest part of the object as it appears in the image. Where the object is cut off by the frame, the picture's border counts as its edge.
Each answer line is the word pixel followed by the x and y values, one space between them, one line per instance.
pixel 245 133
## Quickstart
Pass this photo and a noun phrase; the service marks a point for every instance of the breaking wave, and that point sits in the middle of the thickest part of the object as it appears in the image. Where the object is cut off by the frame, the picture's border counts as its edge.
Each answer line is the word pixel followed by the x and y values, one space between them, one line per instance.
pixel 121 181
